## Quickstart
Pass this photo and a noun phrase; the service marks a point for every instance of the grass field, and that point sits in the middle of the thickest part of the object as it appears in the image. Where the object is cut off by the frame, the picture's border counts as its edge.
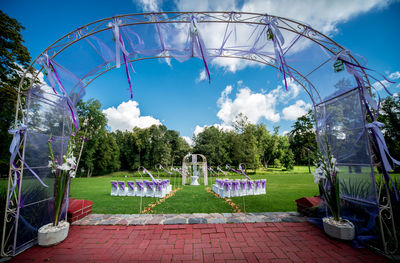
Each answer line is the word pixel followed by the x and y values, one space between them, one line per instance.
pixel 283 187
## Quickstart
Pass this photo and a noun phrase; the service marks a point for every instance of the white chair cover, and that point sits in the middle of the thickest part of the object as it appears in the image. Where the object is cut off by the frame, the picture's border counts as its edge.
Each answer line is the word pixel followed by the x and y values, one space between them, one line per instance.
pixel 114 188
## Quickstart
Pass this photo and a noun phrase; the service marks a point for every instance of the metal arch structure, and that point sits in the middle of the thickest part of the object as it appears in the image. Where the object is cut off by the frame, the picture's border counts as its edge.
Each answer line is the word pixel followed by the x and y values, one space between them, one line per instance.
pixel 183 17
pixel 186 163
pixel 289 26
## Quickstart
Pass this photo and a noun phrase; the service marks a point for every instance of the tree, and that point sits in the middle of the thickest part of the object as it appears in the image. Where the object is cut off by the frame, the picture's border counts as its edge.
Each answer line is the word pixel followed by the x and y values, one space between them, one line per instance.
pixel 211 143
pixel 271 148
pixel 303 139
pixel 94 131
pixel 286 154
pixel 390 116
pixel 160 150
pixel 14 56
pixel 179 147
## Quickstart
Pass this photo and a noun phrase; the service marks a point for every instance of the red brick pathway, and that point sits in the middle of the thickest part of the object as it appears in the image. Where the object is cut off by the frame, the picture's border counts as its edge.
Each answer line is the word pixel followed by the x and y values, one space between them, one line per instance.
pixel 248 242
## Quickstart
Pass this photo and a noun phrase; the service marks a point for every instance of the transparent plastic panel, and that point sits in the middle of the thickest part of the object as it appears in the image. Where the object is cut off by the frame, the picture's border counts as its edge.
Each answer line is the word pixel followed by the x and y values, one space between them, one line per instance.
pixel 340 120
pixel 48 113
pixel 37 149
pixel 32 190
pixel 31 218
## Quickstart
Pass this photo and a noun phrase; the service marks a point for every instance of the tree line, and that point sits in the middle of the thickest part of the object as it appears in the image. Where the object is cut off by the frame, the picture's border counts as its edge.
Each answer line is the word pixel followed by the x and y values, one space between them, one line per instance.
pixel 250 144
pixel 104 151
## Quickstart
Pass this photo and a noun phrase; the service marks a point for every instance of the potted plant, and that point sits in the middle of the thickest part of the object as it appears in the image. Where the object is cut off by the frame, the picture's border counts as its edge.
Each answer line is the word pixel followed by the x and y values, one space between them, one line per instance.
pixel 327 178
pixel 55 232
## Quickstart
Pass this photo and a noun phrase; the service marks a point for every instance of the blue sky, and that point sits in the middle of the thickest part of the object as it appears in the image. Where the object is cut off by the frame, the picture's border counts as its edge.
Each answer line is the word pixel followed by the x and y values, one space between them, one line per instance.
pixel 171 94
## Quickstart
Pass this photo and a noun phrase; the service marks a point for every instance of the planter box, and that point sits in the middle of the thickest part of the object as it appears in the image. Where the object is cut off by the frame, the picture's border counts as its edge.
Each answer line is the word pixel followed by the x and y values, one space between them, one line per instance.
pixel 78 209
pixel 343 230
pixel 308 206
pixel 49 235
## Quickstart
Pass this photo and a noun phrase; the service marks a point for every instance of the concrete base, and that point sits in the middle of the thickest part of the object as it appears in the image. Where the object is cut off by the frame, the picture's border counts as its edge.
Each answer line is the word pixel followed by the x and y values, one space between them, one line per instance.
pixel 194 180
pixel 49 235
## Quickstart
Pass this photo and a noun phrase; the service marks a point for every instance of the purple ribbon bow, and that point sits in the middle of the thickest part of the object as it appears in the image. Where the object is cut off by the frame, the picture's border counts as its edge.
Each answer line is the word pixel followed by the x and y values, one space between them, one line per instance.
pixel 229 185
pixel 158 185
pixel 140 185
pixel 220 183
pixel 278 40
pixel 257 183
pixel 48 64
pixel 149 185
pixel 131 185
pixel 358 70
pixel 120 46
pixel 114 184
pixel 121 185
pixel 263 182
pixel 383 150
pixel 235 185
pixel 243 184
pixel 197 42
pixel 250 184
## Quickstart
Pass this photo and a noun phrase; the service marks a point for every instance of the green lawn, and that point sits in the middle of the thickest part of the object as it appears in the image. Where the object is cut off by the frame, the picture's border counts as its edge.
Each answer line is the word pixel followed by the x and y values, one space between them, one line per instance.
pixel 283 187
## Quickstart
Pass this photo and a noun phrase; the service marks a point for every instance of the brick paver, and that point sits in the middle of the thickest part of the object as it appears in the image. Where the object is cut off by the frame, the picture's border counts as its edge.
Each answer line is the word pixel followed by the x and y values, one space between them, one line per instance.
pixel 248 242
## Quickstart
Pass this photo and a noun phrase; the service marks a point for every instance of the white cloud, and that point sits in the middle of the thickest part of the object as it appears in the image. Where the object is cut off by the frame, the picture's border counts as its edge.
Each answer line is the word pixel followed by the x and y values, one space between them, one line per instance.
pixel 395 75
pixel 322 15
pixel 392 76
pixel 188 140
pixel 234 64
pixel 126 116
pixel 296 110
pixel 284 133
pixel 149 5
pixel 224 127
pixel 253 105
pixel 378 85
pixel 202 76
